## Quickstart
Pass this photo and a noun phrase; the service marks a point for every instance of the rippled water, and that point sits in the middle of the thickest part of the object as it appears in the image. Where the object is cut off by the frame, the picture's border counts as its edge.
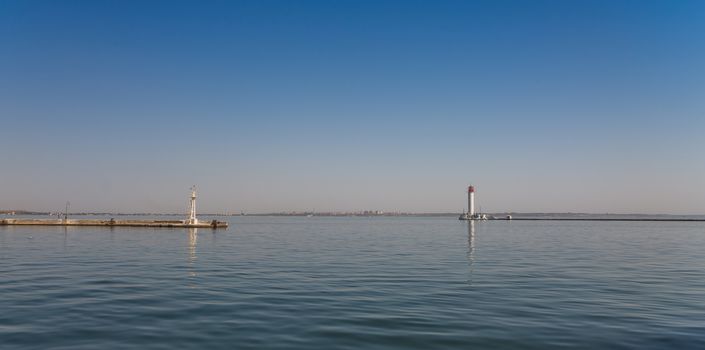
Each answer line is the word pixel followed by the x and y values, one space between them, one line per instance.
pixel 357 283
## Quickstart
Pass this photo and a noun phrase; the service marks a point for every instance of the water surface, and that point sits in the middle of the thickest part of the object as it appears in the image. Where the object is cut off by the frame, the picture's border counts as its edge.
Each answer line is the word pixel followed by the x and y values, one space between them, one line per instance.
pixel 353 283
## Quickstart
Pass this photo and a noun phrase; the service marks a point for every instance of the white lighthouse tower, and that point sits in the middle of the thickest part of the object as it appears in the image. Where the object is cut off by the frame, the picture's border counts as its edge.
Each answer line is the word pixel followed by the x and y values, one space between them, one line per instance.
pixel 471 202
pixel 471 214
pixel 192 208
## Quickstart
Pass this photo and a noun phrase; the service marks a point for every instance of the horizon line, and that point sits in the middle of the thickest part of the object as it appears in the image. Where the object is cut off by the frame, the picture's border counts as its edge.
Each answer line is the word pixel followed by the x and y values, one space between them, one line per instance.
pixel 334 213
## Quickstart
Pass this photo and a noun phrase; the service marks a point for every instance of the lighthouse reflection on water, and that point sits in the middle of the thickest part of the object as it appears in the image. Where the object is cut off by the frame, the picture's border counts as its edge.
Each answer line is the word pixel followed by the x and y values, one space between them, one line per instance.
pixel 192 242
pixel 471 249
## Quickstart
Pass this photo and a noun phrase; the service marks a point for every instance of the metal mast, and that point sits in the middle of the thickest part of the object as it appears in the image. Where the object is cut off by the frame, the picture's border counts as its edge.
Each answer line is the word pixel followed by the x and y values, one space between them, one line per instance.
pixel 192 208
pixel 66 212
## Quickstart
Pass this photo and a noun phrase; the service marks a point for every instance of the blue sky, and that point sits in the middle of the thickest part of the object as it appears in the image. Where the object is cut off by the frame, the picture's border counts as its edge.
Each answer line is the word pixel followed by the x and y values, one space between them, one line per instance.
pixel 591 106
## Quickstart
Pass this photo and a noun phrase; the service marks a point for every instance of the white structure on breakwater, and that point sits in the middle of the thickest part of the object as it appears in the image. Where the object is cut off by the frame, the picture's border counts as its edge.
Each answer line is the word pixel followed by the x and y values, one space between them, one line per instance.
pixel 192 220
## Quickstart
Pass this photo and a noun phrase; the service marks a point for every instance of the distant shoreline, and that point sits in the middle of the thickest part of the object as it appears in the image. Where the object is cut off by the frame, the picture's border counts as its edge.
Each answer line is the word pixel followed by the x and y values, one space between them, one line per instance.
pixel 516 215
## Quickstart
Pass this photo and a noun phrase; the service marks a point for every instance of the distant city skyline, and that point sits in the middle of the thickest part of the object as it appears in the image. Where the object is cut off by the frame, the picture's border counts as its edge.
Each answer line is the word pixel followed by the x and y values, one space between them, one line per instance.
pixel 273 106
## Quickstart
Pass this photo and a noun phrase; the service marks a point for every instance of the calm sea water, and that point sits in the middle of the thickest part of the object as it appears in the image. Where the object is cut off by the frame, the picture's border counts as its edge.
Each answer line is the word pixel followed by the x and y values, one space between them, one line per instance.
pixel 355 283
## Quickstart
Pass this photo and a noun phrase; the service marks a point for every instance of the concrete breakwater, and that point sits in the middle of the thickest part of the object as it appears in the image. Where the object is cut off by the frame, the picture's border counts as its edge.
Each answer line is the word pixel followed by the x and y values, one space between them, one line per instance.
pixel 602 219
pixel 190 222
pixel 491 218
pixel 114 223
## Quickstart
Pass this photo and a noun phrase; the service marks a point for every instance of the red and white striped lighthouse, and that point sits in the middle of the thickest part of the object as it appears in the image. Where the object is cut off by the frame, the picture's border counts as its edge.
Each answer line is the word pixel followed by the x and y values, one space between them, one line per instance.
pixel 471 201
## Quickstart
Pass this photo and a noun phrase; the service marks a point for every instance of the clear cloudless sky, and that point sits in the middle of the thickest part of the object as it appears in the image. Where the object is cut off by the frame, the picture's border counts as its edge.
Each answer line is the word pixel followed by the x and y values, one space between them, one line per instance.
pixel 561 106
